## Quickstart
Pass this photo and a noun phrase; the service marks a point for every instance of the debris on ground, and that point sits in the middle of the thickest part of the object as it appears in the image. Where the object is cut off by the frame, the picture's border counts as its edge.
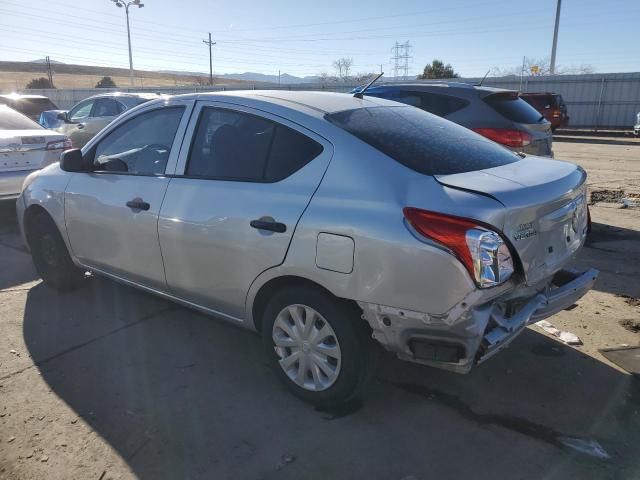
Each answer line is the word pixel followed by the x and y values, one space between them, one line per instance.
pixel 604 195
pixel 44 458
pixel 584 445
pixel 11 439
pixel 285 460
pixel 633 325
pixel 626 357
pixel 565 337
pixel 629 300
pixel 631 201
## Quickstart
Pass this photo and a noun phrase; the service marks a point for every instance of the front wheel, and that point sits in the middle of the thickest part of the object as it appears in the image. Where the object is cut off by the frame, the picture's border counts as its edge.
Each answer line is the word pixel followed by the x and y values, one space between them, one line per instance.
pixel 50 255
pixel 318 345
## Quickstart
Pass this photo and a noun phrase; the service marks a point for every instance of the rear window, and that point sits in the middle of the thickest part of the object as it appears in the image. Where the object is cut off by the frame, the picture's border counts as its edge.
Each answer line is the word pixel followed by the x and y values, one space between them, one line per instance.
pixel 12 120
pixel 34 106
pixel 514 108
pixel 421 141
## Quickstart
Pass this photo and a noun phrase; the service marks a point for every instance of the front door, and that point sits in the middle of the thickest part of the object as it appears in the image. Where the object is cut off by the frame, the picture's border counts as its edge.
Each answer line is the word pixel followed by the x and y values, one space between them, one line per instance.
pixel 111 213
pixel 231 214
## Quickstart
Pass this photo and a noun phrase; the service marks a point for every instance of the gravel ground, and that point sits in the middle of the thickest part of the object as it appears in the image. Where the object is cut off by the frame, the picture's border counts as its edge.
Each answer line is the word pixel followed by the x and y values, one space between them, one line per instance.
pixel 110 383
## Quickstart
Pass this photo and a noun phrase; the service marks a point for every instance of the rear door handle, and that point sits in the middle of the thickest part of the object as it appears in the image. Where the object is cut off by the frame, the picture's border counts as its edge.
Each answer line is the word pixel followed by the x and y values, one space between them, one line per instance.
pixel 271 225
pixel 137 204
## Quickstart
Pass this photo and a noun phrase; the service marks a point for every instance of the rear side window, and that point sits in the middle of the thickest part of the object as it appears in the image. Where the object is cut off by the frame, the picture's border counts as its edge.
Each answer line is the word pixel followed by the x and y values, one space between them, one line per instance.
pixel 231 145
pixel 441 105
pixel 33 106
pixel 107 107
pixel 422 142
pixel 514 108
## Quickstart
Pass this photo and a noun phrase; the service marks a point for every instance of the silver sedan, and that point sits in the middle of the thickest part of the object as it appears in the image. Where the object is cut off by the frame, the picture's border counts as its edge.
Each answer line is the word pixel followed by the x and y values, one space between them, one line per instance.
pixel 24 147
pixel 322 221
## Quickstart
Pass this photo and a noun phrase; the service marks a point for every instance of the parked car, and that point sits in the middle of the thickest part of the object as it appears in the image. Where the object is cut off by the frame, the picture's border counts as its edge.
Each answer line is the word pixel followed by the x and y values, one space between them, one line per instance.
pixel 495 113
pixel 551 105
pixel 322 221
pixel 91 115
pixel 30 105
pixel 636 127
pixel 24 147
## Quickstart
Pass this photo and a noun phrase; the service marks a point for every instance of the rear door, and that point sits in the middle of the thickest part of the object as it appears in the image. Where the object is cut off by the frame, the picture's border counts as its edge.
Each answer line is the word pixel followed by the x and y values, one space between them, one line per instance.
pixel 231 209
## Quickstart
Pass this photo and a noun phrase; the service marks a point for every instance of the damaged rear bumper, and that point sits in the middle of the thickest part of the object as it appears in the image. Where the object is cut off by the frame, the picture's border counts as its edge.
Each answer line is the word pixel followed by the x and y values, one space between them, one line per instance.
pixel 480 332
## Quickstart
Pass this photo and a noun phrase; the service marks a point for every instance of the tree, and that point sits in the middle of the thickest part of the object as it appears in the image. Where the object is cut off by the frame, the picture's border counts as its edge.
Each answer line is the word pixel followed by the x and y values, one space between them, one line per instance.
pixel 41 82
pixel 537 67
pixel 438 69
pixel 106 82
pixel 343 67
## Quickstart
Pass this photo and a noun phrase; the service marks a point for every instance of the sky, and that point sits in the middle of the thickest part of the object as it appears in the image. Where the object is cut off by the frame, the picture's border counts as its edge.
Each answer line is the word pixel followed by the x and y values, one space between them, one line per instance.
pixel 304 38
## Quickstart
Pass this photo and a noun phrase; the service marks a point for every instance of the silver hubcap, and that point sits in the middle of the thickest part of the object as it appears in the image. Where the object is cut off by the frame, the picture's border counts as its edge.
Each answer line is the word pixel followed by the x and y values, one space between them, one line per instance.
pixel 307 347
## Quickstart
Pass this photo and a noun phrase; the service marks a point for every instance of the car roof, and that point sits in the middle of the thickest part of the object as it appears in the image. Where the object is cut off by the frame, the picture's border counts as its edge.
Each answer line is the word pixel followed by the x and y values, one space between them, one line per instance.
pixel 538 94
pixel 438 84
pixel 20 96
pixel 144 95
pixel 310 101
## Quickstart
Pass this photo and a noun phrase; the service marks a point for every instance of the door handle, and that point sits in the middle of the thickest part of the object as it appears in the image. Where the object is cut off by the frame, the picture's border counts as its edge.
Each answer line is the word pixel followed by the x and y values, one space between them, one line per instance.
pixel 80 126
pixel 137 204
pixel 271 225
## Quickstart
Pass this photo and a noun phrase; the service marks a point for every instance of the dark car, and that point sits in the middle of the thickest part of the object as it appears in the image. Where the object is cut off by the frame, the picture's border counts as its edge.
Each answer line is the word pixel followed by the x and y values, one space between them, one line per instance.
pixel 497 114
pixel 29 105
pixel 551 105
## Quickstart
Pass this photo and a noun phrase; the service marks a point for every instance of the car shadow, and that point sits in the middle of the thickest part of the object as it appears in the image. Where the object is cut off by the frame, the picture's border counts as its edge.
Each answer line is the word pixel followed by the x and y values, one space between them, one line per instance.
pixel 615 251
pixel 180 395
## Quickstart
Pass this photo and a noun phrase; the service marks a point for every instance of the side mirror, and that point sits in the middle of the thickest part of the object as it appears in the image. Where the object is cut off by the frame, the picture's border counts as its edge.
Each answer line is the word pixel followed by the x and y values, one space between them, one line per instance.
pixel 73 161
pixel 64 116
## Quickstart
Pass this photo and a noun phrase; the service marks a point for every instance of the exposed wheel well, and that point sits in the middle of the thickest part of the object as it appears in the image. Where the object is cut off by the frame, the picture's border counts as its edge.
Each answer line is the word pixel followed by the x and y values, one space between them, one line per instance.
pixel 272 286
pixel 29 215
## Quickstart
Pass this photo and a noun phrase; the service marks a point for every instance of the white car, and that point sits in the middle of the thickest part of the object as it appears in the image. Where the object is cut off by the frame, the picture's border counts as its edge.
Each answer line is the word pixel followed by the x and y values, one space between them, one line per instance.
pixel 25 146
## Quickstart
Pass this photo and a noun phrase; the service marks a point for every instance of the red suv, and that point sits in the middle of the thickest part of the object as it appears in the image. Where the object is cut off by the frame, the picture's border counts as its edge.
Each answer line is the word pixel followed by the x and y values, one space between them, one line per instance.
pixel 551 105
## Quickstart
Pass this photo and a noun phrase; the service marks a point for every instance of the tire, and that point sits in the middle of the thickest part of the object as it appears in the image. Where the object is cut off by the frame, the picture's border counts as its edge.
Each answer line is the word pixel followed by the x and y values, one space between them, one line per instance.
pixel 50 255
pixel 347 337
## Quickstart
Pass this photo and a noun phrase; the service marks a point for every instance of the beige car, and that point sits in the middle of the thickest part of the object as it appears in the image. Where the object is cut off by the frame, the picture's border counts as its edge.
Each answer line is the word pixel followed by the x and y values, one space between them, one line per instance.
pixel 91 115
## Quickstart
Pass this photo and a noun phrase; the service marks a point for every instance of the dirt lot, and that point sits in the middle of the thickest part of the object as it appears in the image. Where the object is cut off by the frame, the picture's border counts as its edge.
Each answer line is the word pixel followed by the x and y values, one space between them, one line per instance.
pixel 110 383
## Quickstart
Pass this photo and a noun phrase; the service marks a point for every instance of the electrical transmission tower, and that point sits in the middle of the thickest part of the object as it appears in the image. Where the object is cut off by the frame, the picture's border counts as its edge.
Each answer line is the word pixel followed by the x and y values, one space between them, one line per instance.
pixel 400 58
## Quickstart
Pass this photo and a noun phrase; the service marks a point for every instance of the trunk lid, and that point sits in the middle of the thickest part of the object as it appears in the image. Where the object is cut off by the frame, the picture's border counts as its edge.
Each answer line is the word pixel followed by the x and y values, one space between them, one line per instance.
pixel 27 149
pixel 545 209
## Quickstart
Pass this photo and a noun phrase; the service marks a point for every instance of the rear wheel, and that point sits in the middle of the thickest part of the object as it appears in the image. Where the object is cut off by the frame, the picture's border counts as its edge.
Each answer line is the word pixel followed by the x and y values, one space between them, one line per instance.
pixel 50 255
pixel 318 345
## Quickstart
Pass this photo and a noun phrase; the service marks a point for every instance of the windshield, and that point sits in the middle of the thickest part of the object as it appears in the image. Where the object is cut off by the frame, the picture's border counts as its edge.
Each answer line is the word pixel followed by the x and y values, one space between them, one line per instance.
pixel 421 141
pixel 12 120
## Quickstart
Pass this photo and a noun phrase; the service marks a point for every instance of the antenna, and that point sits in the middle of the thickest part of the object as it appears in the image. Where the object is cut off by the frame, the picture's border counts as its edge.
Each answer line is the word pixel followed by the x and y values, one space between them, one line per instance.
pixel 483 78
pixel 361 93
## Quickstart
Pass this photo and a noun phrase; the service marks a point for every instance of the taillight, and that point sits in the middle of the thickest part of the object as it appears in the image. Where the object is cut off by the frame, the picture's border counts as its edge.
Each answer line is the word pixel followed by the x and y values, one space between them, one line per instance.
pixel 482 251
pixel 556 113
pixel 510 138
pixel 60 144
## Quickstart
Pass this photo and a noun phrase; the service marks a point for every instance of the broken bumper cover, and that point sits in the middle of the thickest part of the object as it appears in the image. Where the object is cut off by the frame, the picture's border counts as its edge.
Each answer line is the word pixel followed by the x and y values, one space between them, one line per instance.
pixel 478 334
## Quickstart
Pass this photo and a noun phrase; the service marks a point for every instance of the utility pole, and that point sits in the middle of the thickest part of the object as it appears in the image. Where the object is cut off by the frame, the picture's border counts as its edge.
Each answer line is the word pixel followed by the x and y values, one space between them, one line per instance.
pixel 552 68
pixel 124 4
pixel 522 73
pixel 278 77
pixel 210 44
pixel 49 71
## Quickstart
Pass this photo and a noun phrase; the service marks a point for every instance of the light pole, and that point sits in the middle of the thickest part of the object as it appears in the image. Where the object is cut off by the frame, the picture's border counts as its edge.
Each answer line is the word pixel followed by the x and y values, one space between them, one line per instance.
pixel 126 5
pixel 554 47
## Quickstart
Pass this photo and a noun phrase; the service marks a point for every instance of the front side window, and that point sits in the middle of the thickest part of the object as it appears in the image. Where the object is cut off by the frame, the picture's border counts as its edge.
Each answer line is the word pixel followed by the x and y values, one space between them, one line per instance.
pixel 107 107
pixel 422 142
pixel 231 145
pixel 81 111
pixel 141 145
